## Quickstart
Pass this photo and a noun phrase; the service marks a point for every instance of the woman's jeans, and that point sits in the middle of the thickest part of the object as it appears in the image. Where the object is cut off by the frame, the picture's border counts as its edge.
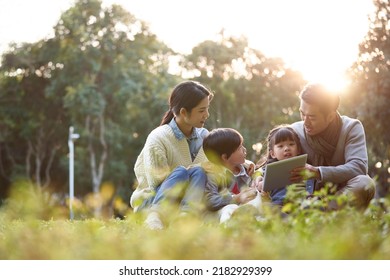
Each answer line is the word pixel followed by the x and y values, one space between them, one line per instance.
pixel 183 186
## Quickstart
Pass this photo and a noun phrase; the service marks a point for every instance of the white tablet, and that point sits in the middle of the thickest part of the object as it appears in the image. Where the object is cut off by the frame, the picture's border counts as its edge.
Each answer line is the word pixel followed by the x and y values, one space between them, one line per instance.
pixel 277 174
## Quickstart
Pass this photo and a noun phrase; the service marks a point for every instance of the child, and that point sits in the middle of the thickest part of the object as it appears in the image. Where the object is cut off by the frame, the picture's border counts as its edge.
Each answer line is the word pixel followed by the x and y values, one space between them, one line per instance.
pixel 227 179
pixel 282 143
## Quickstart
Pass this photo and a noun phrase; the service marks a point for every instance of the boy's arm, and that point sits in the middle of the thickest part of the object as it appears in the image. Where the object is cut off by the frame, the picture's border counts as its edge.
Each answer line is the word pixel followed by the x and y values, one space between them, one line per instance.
pixel 216 199
pixel 257 179
pixel 249 167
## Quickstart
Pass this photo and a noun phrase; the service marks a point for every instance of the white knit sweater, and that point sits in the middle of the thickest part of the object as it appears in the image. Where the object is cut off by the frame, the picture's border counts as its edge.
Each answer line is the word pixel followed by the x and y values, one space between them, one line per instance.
pixel 161 154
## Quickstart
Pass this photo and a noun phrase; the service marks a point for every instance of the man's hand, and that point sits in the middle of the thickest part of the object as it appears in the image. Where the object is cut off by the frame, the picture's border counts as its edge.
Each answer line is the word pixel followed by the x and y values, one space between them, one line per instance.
pixel 303 173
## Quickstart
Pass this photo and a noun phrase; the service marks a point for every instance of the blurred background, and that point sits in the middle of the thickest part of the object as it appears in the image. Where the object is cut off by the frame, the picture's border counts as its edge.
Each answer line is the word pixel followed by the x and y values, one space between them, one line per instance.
pixel 106 68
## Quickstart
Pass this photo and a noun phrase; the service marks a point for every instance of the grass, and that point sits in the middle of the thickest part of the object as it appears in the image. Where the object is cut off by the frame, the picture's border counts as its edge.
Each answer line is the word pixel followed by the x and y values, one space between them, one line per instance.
pixel 34 227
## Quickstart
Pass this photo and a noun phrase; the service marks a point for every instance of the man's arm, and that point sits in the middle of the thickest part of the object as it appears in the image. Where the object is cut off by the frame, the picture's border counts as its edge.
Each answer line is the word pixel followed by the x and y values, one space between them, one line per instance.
pixel 355 157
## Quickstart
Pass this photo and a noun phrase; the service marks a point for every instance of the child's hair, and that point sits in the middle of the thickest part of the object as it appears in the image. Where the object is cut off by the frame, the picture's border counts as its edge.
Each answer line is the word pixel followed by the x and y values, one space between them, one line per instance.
pixel 187 95
pixel 221 141
pixel 279 134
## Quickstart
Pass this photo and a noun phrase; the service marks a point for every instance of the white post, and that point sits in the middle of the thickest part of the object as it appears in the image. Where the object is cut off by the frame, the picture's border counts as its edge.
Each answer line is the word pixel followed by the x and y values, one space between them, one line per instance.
pixel 72 137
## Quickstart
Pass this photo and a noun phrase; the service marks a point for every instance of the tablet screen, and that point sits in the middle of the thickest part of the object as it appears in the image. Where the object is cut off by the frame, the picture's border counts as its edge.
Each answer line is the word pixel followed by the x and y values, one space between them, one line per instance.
pixel 277 174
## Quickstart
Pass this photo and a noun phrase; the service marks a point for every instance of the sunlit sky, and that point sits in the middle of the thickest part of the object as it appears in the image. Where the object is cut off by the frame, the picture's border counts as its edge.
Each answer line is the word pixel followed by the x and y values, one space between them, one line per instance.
pixel 317 37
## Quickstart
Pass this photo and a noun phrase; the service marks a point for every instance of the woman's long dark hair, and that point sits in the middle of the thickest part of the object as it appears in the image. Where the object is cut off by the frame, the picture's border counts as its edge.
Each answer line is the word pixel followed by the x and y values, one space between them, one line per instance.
pixel 187 95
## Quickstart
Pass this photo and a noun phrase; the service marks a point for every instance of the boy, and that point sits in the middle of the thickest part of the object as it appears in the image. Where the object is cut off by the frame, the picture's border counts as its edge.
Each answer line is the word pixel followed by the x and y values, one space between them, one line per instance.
pixel 227 179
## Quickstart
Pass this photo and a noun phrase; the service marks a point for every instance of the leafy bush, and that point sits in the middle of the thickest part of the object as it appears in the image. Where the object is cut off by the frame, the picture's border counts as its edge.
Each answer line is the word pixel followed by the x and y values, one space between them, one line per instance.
pixel 33 226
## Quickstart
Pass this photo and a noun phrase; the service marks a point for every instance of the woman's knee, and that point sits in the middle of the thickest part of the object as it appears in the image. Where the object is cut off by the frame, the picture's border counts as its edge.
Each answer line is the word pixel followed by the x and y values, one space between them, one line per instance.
pixel 180 170
pixel 179 174
pixel 197 171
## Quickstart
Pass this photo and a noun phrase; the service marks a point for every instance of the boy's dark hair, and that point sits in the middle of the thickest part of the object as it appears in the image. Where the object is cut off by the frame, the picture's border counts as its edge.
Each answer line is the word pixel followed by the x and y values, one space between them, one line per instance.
pixel 317 94
pixel 221 141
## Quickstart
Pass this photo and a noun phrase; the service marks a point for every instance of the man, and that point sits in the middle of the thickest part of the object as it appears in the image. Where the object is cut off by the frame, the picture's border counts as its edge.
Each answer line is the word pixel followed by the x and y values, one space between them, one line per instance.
pixel 336 146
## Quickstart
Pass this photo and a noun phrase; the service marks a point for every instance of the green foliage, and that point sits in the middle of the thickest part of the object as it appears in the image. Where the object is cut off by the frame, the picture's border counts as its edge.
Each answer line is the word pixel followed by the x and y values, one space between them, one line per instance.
pixel 30 134
pixel 98 73
pixel 252 92
pixel 107 75
pixel 32 227
pixel 371 91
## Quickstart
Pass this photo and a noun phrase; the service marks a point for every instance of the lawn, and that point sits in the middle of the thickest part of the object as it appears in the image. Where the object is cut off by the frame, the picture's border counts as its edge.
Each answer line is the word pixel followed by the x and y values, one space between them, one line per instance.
pixel 34 228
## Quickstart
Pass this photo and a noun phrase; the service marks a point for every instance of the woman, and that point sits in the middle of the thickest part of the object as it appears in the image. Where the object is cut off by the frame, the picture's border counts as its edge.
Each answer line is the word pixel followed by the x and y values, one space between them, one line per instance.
pixel 173 146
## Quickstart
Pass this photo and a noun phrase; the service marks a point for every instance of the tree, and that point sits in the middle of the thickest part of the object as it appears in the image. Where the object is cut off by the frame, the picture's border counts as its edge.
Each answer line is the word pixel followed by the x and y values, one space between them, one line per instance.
pixel 371 91
pixel 252 92
pixel 115 74
pixel 104 73
pixel 30 134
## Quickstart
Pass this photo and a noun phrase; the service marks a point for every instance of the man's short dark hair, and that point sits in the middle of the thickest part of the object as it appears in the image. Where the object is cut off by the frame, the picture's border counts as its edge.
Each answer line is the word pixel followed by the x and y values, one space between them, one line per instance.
pixel 317 94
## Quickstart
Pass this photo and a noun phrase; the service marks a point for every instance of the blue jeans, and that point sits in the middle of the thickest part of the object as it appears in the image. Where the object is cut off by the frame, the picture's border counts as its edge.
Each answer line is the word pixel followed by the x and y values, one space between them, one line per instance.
pixel 185 186
pixel 278 195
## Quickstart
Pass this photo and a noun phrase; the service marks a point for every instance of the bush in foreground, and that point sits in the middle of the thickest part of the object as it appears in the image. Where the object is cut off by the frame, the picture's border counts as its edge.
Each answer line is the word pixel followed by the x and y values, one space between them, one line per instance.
pixel 33 227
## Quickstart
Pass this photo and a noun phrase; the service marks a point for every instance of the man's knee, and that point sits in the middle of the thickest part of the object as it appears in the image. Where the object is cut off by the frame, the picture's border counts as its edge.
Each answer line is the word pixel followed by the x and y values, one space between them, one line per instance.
pixel 363 182
pixel 363 188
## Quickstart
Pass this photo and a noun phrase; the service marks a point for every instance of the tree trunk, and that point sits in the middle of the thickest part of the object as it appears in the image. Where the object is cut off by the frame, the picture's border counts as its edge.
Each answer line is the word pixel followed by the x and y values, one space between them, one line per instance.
pixel 49 165
pixel 97 170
